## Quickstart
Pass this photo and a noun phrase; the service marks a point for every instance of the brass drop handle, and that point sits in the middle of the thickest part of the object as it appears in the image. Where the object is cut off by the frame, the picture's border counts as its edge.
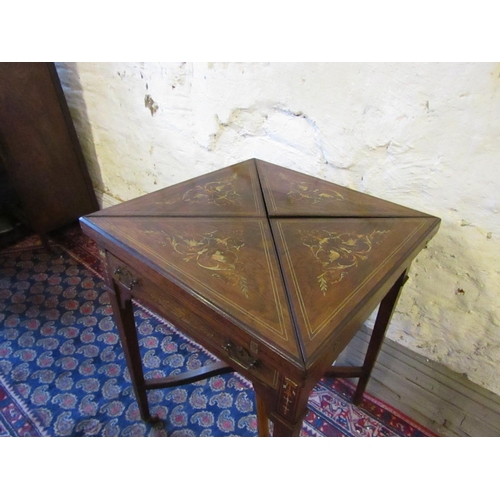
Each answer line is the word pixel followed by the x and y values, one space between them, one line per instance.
pixel 125 278
pixel 240 356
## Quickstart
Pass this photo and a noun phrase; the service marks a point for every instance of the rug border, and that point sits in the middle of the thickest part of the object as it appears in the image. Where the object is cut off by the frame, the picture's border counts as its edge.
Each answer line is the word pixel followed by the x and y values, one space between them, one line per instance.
pixel 393 410
pixel 24 407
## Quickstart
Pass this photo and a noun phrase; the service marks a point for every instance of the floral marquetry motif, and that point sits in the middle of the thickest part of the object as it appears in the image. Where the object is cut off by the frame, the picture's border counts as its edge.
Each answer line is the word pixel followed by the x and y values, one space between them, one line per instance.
pixel 215 252
pixel 307 191
pixel 338 252
pixel 219 192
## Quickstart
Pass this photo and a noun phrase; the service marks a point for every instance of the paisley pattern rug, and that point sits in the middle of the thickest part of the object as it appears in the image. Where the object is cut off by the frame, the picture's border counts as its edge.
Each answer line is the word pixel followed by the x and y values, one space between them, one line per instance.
pixel 62 369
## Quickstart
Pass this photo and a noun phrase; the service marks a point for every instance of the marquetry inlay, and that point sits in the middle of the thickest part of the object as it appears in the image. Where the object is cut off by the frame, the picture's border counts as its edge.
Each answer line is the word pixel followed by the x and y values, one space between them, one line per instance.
pixel 282 255
pixel 330 264
pixel 216 252
pixel 219 192
pixel 287 400
pixel 302 191
pixel 338 252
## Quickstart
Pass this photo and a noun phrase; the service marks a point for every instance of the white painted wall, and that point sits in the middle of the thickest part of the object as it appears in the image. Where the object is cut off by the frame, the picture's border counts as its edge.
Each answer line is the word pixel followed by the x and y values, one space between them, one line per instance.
pixel 423 135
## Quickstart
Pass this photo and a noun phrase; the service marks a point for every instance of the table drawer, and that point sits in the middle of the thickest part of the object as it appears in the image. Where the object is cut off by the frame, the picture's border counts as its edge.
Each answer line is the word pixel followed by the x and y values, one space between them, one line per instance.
pixel 226 341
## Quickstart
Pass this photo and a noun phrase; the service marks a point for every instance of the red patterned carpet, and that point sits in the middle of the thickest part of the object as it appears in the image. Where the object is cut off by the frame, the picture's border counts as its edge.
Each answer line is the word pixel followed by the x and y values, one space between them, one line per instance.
pixel 62 371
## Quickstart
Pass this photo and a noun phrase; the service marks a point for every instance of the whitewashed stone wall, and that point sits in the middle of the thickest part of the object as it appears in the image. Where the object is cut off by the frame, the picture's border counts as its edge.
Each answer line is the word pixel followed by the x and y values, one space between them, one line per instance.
pixel 423 135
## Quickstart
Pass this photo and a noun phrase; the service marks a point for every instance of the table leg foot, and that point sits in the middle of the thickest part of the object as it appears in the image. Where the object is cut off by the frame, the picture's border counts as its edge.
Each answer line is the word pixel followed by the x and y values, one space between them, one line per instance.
pixel 357 399
pixel 286 429
pixel 152 420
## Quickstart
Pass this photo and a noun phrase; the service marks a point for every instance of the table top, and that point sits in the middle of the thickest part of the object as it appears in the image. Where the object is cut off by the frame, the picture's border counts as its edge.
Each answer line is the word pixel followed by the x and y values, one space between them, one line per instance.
pixel 287 257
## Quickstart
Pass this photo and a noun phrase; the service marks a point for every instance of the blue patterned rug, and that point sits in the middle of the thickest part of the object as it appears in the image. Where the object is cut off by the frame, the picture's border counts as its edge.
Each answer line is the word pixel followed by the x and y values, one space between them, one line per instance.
pixel 62 369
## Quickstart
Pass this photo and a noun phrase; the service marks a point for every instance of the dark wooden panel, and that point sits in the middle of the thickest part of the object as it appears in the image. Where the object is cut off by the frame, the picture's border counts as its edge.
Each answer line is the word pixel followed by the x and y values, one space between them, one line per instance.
pixel 39 147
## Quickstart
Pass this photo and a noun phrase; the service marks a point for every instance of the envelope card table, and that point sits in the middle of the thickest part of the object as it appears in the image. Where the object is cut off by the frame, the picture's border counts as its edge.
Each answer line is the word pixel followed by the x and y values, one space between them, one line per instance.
pixel 271 270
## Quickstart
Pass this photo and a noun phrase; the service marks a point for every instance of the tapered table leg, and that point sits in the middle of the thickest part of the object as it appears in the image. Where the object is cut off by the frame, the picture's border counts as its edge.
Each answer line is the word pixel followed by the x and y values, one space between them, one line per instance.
pixel 124 317
pixel 384 315
pixel 262 418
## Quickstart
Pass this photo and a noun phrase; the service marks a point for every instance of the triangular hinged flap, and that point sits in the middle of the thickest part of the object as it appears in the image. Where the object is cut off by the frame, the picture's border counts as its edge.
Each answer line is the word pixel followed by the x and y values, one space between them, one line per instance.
pixel 288 193
pixel 331 266
pixel 231 191
pixel 231 263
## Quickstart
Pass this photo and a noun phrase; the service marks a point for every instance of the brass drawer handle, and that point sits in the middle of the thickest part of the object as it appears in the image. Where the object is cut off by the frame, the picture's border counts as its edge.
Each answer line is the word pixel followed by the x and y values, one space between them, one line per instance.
pixel 124 276
pixel 240 356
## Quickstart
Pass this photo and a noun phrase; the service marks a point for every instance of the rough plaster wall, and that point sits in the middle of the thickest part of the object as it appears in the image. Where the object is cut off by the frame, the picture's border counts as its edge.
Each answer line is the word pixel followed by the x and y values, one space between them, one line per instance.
pixel 423 135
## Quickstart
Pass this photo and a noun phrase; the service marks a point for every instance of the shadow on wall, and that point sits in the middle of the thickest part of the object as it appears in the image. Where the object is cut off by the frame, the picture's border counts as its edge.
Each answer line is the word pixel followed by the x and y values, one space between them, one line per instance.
pixel 73 90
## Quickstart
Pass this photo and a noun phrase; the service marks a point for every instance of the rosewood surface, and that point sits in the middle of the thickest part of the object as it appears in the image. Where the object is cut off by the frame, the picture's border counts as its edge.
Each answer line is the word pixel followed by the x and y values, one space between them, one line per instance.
pixel 271 270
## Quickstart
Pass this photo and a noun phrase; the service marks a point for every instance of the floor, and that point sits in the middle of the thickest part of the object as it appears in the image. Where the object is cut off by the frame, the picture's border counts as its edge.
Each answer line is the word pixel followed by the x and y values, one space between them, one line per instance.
pixel 441 400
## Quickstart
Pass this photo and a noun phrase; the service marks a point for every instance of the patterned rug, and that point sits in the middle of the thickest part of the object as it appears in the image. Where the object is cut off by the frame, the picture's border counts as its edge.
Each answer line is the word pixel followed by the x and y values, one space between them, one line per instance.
pixel 62 369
